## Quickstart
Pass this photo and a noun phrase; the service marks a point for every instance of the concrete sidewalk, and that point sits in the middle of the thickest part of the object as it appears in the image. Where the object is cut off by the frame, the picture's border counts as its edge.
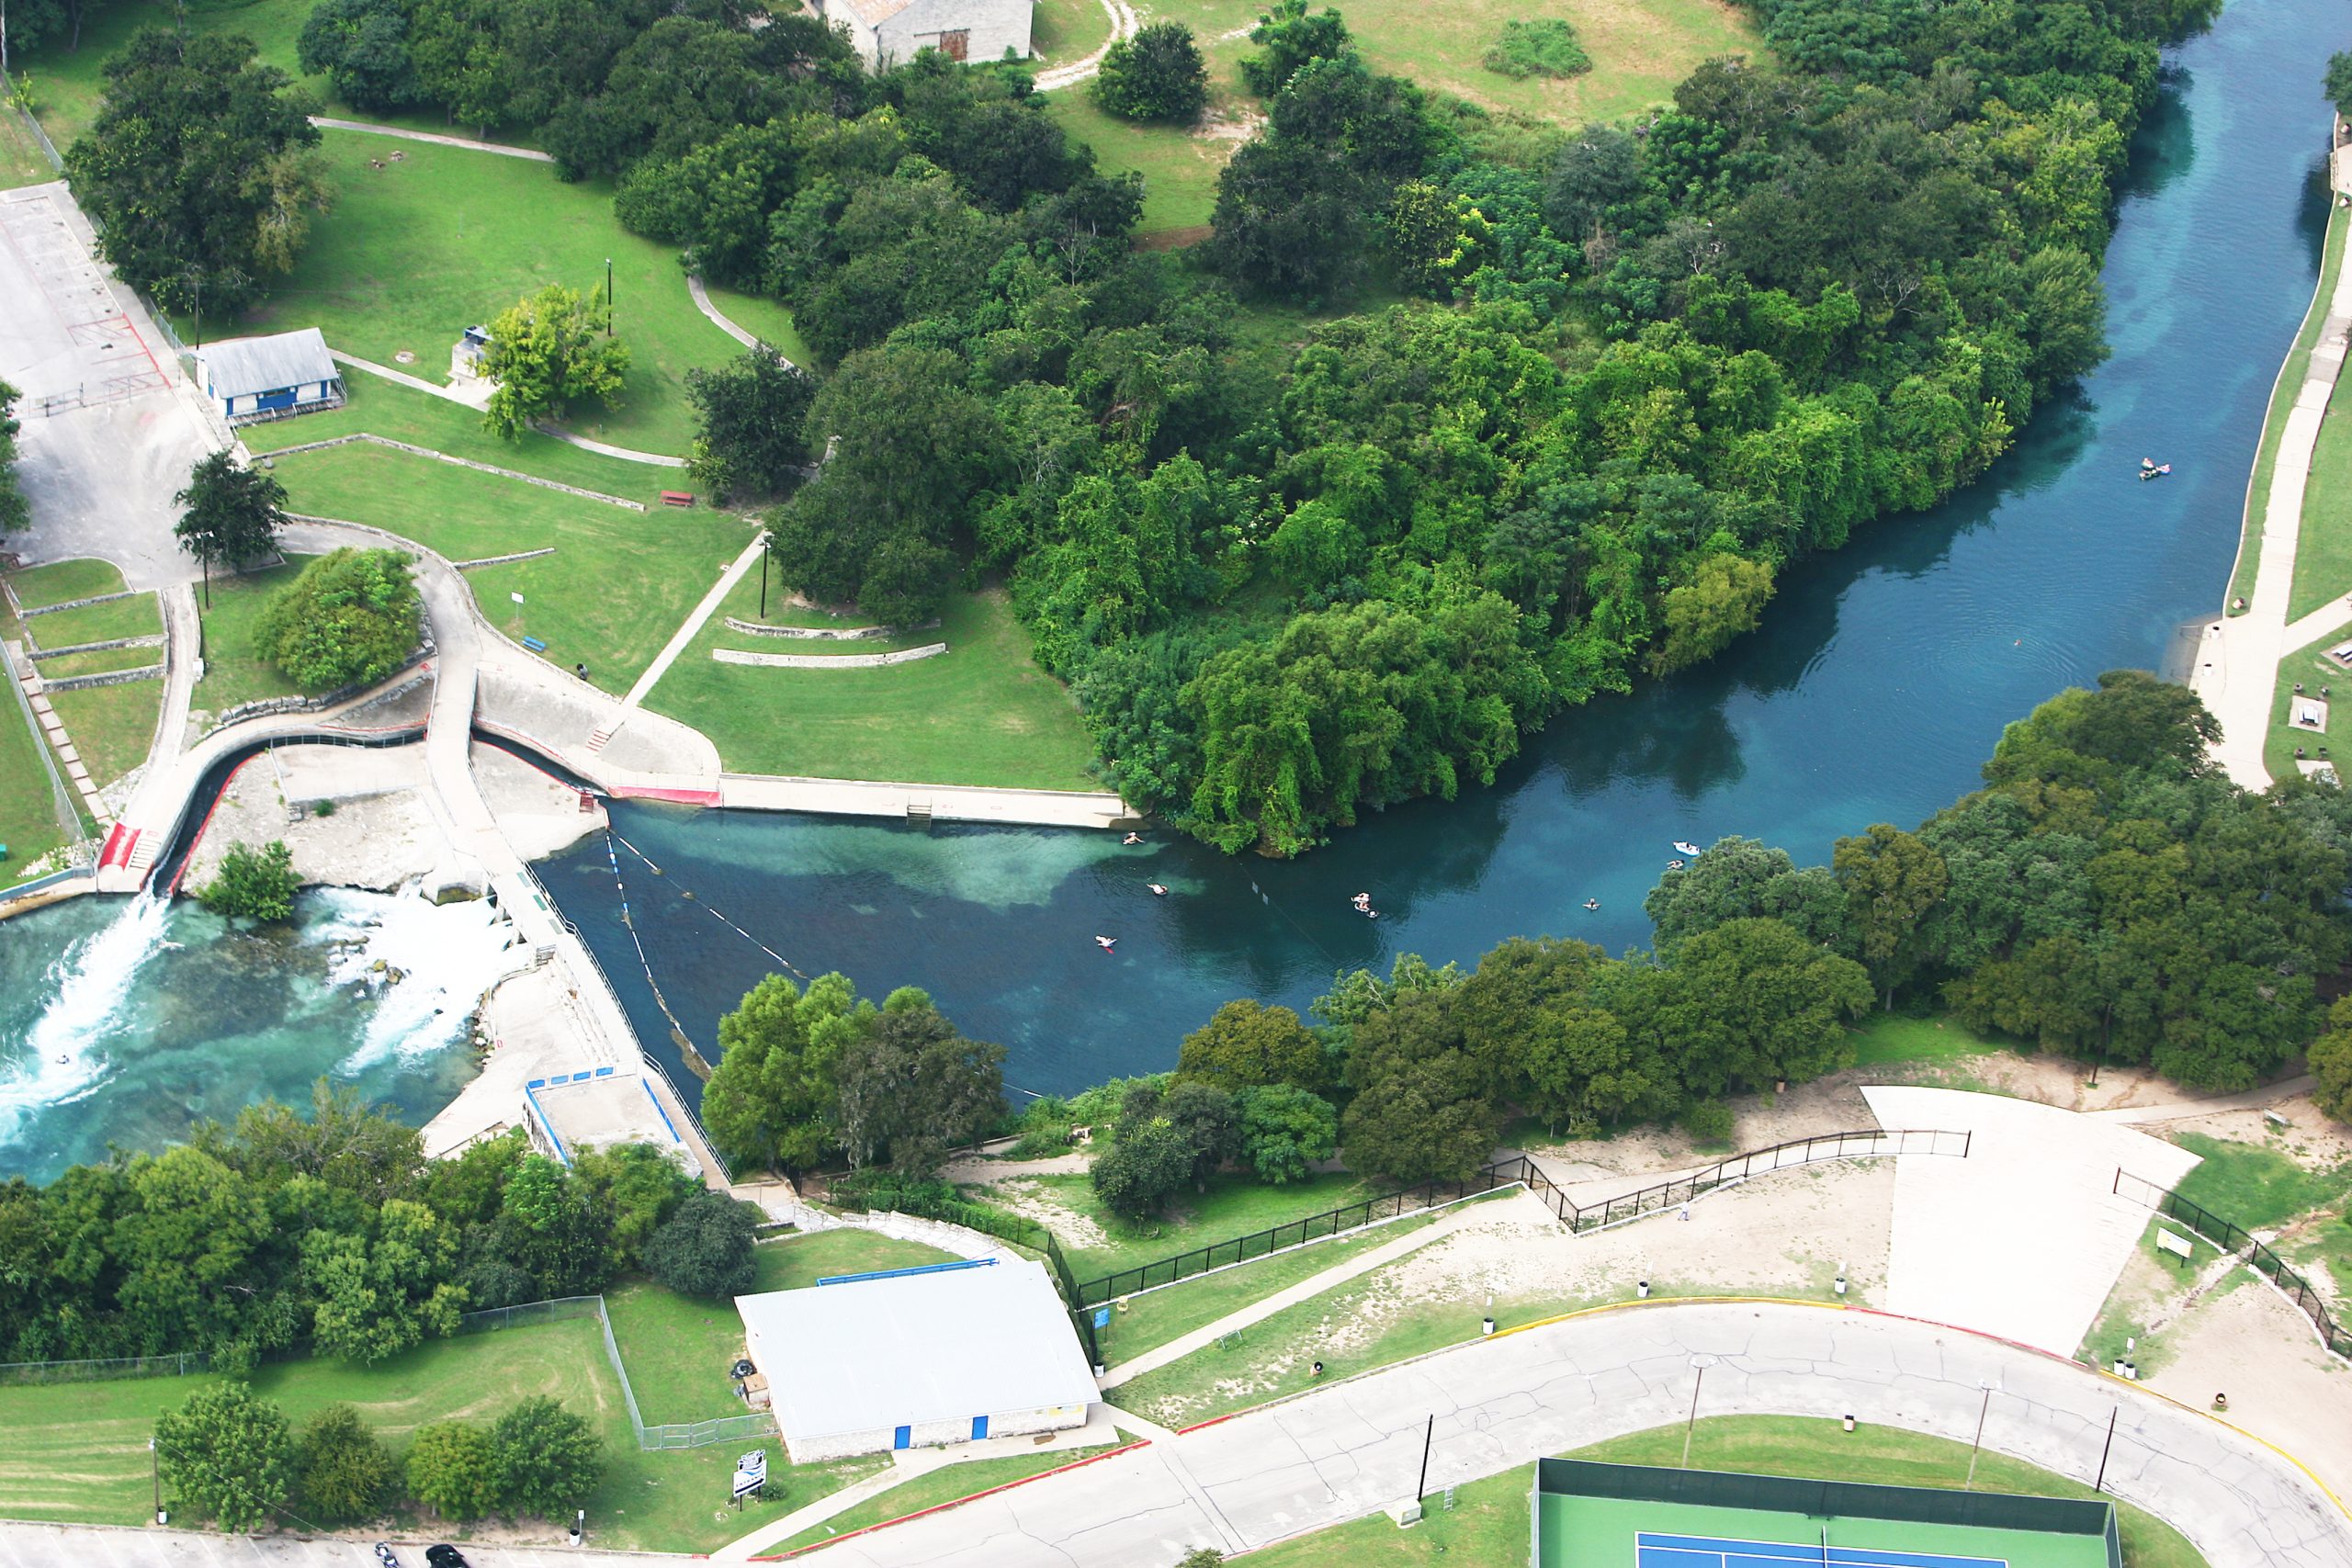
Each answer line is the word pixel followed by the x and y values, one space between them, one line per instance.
pixel 736 572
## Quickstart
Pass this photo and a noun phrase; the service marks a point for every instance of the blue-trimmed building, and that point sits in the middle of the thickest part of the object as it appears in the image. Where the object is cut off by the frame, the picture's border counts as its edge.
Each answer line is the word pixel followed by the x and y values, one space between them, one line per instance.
pixel 251 378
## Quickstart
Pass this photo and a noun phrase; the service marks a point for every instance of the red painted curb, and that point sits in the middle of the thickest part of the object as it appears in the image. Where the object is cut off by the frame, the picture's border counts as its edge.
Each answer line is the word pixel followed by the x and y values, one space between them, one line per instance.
pixel 958 1502
pixel 679 797
pixel 200 827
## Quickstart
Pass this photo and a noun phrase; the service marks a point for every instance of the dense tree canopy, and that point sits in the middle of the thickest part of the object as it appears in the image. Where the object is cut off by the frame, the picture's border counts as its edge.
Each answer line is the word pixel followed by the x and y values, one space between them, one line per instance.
pixel 198 170
pixel 1157 74
pixel 351 618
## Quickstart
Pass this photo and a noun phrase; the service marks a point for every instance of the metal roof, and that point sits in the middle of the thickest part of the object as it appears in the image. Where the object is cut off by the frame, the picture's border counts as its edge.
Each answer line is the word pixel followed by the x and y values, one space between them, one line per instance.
pixel 867 1355
pixel 242 366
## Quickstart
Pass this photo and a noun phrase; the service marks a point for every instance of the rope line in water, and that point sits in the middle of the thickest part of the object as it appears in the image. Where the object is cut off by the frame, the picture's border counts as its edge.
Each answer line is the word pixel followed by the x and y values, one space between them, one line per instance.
pixel 661 1001
pixel 715 915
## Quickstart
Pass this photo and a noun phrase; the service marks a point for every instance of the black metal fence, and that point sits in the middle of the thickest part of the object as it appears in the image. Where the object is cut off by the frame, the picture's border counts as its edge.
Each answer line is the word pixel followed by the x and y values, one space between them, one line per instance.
pixel 1517 1171
pixel 1010 1227
pixel 2233 1238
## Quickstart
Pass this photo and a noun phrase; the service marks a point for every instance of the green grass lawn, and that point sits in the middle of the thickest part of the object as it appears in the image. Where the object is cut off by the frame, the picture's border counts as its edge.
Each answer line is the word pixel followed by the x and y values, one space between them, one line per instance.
pixel 765 319
pixel 2323 539
pixel 619 586
pixel 1233 1206
pixel 2312 667
pixel 28 805
pixel 99 662
pixel 60 582
pixel 22 163
pixel 1488 1522
pixel 100 623
pixel 678 1350
pixel 1063 31
pixel 1888 1039
pixel 417 250
pixel 2255 1187
pixel 111 726
pixel 402 413
pixel 233 672
pixel 1179 166
pixel 1158 1317
pixel 980 713
pixel 949 1483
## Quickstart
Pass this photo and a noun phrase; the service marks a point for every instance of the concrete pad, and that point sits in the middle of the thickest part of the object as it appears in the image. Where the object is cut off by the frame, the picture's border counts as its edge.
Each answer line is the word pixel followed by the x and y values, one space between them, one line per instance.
pixel 2023 1239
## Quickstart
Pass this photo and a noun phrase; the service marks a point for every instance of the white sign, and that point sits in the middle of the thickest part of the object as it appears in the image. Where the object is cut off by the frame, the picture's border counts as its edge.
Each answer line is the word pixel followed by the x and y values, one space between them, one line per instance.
pixel 517 597
pixel 2167 1242
pixel 748 1480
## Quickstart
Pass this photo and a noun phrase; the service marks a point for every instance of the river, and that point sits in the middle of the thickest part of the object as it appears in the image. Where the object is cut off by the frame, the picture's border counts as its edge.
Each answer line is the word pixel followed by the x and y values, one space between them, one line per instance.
pixel 1879 680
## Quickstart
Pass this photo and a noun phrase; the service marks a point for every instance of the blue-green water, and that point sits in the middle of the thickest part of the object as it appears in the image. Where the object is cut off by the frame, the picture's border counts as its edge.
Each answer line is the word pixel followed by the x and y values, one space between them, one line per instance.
pixel 1879 681
pixel 1880 678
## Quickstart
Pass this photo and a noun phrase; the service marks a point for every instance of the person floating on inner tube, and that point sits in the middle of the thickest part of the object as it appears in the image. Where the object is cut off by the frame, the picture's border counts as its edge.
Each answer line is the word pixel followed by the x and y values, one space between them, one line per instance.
pixel 1157 891
pixel 1106 942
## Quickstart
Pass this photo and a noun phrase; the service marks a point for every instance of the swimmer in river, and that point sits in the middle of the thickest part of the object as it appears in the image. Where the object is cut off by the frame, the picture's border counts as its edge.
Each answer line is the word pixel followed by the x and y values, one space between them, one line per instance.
pixel 1674 866
pixel 1157 889
pixel 1132 839
pixel 1106 942
pixel 1592 903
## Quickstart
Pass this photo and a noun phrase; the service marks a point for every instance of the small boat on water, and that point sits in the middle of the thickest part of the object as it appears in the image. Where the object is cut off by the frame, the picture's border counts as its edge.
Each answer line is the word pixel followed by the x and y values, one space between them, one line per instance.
pixel 2152 469
pixel 1685 848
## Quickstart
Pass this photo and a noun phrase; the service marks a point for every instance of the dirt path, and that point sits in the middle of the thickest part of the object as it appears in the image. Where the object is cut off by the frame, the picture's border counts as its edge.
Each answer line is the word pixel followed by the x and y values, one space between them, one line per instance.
pixel 533 154
pixel 1123 26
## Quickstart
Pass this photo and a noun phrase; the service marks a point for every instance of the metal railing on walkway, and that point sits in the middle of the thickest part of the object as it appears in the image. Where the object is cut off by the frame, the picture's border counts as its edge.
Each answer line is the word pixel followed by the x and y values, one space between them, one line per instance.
pixel 2232 1238
pixel 1672 1194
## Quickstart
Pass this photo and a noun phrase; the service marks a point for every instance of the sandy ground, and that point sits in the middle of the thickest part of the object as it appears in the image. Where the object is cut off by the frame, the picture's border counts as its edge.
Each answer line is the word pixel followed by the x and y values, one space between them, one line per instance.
pixel 1037 1202
pixel 2250 1345
pixel 378 835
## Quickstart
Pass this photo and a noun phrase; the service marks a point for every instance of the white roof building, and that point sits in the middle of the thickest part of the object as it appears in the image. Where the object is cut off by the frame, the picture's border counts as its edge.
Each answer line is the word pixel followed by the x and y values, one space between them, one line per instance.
pixel 262 376
pixel 918 1358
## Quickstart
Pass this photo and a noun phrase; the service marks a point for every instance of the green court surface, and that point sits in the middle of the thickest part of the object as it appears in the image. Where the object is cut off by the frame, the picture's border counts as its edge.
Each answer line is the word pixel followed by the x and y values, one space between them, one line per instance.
pixel 1624 1532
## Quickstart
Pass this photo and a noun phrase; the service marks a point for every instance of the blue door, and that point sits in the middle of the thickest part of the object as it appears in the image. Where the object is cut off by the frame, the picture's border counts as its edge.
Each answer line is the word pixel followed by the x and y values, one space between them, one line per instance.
pixel 282 399
pixel 979 1428
pixel 904 1437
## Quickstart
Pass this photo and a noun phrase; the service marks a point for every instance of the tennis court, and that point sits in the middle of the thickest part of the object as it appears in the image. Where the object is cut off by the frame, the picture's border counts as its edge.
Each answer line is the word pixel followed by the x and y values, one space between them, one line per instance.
pixel 1576 1529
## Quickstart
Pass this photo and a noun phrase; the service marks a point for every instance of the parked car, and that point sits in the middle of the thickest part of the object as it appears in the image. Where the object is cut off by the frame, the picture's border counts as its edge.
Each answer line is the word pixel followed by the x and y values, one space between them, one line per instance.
pixel 445 1556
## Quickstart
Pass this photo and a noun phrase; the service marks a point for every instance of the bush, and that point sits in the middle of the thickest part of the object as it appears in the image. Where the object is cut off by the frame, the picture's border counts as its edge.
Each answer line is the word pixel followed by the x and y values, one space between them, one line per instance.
pixel 1707 1121
pixel 705 1250
pixel 1284 1131
pixel 1157 74
pixel 1546 48
pixel 1137 1176
pixel 226 1455
pixel 351 618
pixel 253 884
pixel 548 1459
pixel 343 1474
pixel 453 1469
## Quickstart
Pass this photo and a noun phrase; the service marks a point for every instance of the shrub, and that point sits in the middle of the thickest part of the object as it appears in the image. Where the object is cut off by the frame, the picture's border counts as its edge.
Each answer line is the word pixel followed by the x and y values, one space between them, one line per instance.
pixel 344 1474
pixel 1707 1121
pixel 1284 1131
pixel 349 619
pixel 226 1454
pixel 453 1469
pixel 253 884
pixel 705 1250
pixel 1546 48
pixel 1157 74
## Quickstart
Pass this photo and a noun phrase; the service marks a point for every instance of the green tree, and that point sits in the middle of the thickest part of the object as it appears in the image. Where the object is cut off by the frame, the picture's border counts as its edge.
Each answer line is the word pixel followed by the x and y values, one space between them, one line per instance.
pixel 1435 238
pixel 227 1455
pixel 1157 74
pixel 253 884
pixel 14 511
pixel 1423 1107
pixel 1149 1165
pixel 1724 600
pixel 1286 1132
pixel 361 47
pixel 2331 1059
pixel 342 1474
pixel 754 413
pixel 1738 878
pixel 1752 1003
pixel 228 513
pixel 350 619
pixel 454 1470
pixel 705 1250
pixel 546 353
pixel 642 1188
pixel 198 170
pixel 1246 1044
pixel 914 1087
pixel 385 1293
pixel 2336 86
pixel 547 1460
pixel 1892 879
pixel 773 1099
pixel 1291 37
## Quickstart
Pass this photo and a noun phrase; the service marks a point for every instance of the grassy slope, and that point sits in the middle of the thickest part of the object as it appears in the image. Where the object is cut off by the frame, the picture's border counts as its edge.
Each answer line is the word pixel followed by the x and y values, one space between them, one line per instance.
pixel 948 1484
pixel 2289 387
pixel 980 713
pixel 402 413
pixel 22 163
pixel 1061 31
pixel 619 582
pixel 62 581
pixel 418 249
pixel 678 1350
pixel 111 726
pixel 100 623
pixel 1233 1206
pixel 233 673
pixel 1886 1038
pixel 1488 1522
pixel 27 806
pixel 2255 1187
pixel 2309 666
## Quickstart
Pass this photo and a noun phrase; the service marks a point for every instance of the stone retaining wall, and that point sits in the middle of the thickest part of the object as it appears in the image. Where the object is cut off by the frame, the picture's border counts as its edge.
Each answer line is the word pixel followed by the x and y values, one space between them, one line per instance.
pixel 266 707
pixel 111 678
pixel 501 560
pixel 829 634
pixel 152 639
pixel 460 462
pixel 74 603
pixel 824 661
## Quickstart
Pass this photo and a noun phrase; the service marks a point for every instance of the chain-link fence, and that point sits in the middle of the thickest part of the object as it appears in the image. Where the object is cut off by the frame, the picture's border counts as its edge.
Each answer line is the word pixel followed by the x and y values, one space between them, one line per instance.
pixel 179 1364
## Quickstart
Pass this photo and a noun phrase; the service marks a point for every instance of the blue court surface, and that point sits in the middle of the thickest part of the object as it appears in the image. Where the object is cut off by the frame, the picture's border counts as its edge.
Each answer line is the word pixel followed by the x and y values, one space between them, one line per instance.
pixel 1654 1551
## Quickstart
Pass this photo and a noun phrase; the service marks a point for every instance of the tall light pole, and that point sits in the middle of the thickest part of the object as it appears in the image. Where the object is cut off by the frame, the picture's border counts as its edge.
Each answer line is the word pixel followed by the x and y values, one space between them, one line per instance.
pixel 1991 1387
pixel 1701 1364
pixel 608 296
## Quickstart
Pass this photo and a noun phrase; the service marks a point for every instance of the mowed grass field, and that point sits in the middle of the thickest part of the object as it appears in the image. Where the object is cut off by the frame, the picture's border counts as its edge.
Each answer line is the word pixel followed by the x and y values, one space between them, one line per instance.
pixel 111 726
pixel 619 586
pixel 2323 543
pixel 2311 666
pixel 1640 50
pixel 233 670
pixel 424 241
pixel 980 713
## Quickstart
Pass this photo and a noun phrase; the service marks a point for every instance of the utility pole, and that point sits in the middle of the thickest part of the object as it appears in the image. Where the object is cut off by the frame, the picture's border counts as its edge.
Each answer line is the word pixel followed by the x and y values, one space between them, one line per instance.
pixel 1690 1427
pixel 1991 1387
pixel 2107 1447
pixel 1428 1434
pixel 608 296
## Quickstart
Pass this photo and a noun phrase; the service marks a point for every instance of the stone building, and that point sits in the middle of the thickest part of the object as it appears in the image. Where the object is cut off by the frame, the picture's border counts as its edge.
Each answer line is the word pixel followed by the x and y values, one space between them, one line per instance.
pixel 889 33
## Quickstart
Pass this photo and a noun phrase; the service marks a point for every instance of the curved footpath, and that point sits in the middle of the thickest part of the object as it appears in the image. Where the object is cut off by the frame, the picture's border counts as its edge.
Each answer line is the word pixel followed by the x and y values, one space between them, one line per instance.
pixel 1345 1452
